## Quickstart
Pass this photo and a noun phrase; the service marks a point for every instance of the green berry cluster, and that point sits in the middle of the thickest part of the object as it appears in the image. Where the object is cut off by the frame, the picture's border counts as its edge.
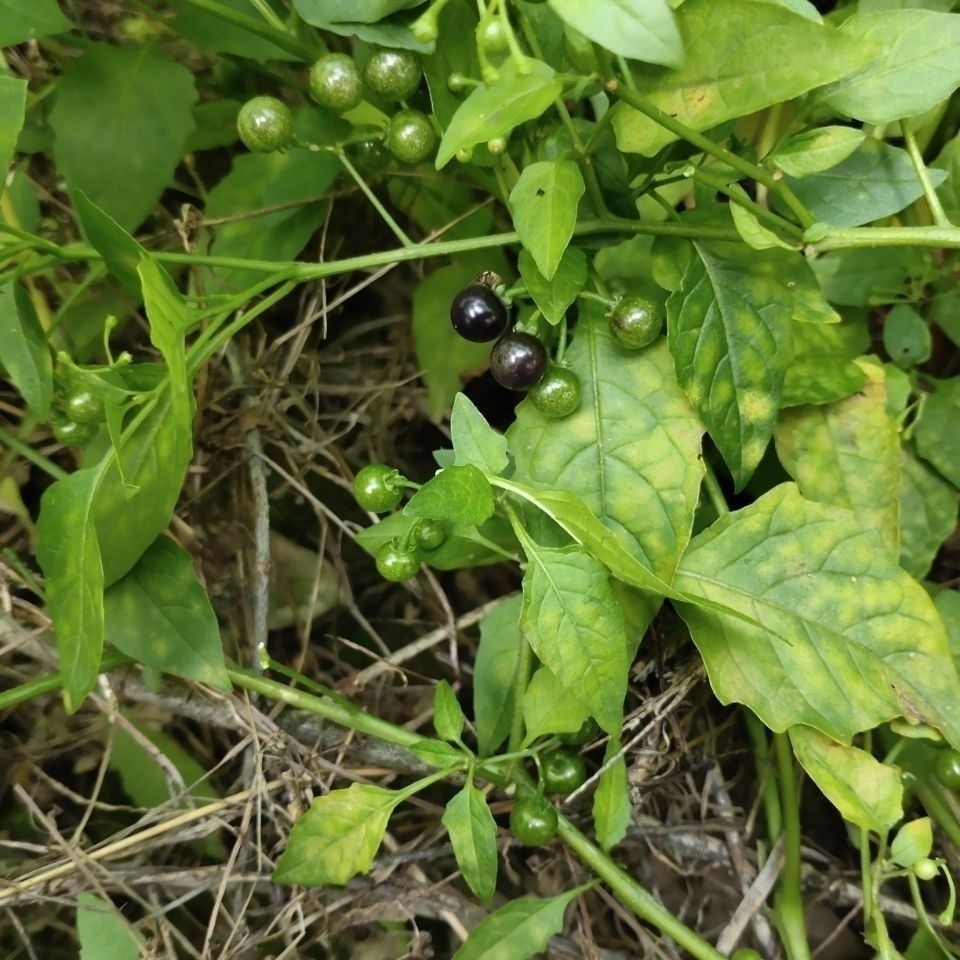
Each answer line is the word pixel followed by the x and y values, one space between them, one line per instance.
pixel 338 84
pixel 77 417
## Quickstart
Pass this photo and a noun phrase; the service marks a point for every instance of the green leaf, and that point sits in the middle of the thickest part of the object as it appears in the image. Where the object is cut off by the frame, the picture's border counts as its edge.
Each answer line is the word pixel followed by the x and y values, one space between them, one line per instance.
pixel 447 715
pixel 751 230
pixel 575 626
pixel 69 556
pixel 729 328
pixel 442 355
pixel 848 639
pixel 13 100
pixel 935 431
pixel 866 792
pixel 612 807
pixel 918 66
pixel 473 834
pixel 875 181
pixel 727 73
pixel 319 12
pixel 928 514
pixel 816 150
pixel 860 278
pixel 438 754
pixel 517 930
pixel 102 932
pixel 22 20
pixel 455 52
pixel 296 180
pixel 475 442
pixel 160 615
pixel 494 673
pixel 140 103
pixel 913 842
pixel 121 253
pixel 645 492
pixel 822 368
pixel 543 205
pixel 549 708
pixel 553 297
pixel 24 352
pixel 639 29
pixel 906 337
pixel 493 111
pixel 847 454
pixel 459 494
pixel 213 33
pixel 338 837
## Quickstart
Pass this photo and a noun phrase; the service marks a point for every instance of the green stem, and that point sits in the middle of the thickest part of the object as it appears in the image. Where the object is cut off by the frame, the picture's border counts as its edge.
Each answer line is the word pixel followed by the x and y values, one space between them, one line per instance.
pixel 768 785
pixel 792 922
pixel 112 660
pixel 28 453
pixel 933 802
pixel 395 227
pixel 252 25
pixel 738 195
pixel 525 655
pixel 748 169
pixel 933 201
pixel 849 238
pixel 715 493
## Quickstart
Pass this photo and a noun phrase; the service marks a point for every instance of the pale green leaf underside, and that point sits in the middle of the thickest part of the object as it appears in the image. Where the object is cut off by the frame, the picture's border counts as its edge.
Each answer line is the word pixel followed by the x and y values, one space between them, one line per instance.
pixel 612 808
pixel 548 707
pixel 739 57
pixel 338 837
pixel 849 639
pixel 865 792
pixel 814 151
pixel 847 454
pixel 473 833
pixel 631 451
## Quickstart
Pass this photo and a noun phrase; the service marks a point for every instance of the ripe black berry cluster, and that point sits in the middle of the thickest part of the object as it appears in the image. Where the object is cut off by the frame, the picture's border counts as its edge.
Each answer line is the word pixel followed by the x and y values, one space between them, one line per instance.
pixel 518 360
pixel 265 124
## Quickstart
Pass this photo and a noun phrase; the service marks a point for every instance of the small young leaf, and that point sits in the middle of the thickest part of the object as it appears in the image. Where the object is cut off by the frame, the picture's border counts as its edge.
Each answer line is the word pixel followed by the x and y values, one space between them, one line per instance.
pixel 493 111
pixel 338 837
pixel 913 842
pixel 473 834
pixel 639 29
pixel 865 792
pixel 447 715
pixel 69 556
pixel 906 337
pixel 548 708
pixel 494 674
pixel 814 151
pixel 918 68
pixel 575 626
pixel 160 615
pixel 517 930
pixel 612 808
pixel 543 205
pixel 24 352
pixel 553 297
pixel 753 232
pixel 937 422
pixel 474 440
pixel 928 514
pixel 459 494
pixel 436 753
pixel 102 932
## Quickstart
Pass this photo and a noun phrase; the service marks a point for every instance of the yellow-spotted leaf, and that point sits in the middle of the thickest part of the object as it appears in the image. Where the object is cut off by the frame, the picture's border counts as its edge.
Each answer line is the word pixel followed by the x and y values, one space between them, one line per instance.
pixel 848 638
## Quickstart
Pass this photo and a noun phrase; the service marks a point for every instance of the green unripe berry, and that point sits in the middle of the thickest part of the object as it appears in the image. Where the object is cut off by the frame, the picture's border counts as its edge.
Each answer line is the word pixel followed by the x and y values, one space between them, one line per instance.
pixel 492 36
pixel 497 145
pixel 83 406
pixel 557 394
pixel 371 155
pixel 396 563
pixel 265 124
pixel 745 953
pixel 430 534
pixel 377 488
pixel 411 137
pixel 925 869
pixel 533 821
pixel 73 434
pixel 393 74
pixel 563 772
pixel 948 768
pixel 335 83
pixel 636 322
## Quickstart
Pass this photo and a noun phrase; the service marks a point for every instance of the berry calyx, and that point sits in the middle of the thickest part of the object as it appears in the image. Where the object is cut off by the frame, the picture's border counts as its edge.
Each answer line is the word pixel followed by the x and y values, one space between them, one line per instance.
pixel 518 361
pixel 636 322
pixel 377 487
pixel 265 124
pixel 558 392
pixel 392 74
pixel 396 562
pixel 335 83
pixel 563 772
pixel 411 137
pixel 478 314
pixel 533 821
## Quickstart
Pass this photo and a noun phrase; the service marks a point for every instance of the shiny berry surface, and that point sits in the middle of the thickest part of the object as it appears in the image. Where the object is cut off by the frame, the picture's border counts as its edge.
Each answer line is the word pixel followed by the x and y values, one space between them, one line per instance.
pixel 83 406
pixel 411 137
pixel 636 322
pixel 558 392
pixel 335 83
pixel 478 314
pixel 375 488
pixel 533 821
pixel 430 534
pixel 396 562
pixel 392 74
pixel 588 730
pixel 948 769
pixel 563 772
pixel 518 361
pixel 73 434
pixel 493 36
pixel 265 124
